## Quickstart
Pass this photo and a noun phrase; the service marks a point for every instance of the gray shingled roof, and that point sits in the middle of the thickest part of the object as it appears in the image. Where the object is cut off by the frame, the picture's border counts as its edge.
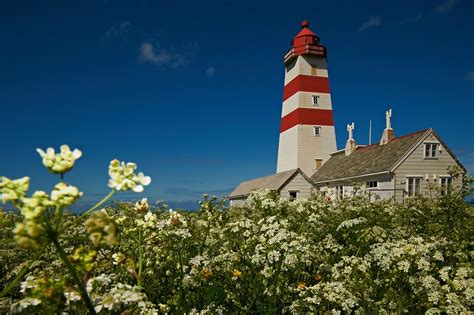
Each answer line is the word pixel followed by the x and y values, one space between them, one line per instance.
pixel 367 160
pixel 275 182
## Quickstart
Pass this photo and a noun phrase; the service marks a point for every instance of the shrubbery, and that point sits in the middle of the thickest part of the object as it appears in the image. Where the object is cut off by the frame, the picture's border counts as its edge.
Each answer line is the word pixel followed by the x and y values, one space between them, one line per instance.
pixel 271 256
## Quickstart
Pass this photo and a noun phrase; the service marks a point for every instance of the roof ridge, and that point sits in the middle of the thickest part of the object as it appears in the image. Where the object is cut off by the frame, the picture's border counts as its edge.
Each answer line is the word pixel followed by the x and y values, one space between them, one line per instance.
pixel 412 134
pixel 394 139
pixel 265 176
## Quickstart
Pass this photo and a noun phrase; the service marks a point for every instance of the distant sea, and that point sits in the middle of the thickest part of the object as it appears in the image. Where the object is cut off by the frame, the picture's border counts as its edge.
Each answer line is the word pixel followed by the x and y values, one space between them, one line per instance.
pixel 86 203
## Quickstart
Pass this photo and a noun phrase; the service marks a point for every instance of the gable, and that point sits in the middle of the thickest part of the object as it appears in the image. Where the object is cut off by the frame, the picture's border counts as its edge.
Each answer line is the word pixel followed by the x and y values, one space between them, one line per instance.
pixel 299 183
pixel 272 182
pixel 415 162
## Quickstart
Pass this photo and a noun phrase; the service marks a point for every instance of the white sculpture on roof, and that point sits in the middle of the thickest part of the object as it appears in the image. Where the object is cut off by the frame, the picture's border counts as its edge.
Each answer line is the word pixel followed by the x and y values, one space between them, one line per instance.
pixel 388 115
pixel 351 128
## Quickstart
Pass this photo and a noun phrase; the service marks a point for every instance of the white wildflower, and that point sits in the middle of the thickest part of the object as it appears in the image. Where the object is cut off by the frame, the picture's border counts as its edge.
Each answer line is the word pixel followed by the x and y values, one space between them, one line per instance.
pixel 444 273
pixel 35 206
pixel 59 163
pixel 23 304
pixel 123 177
pixel 404 265
pixel 71 296
pixel 13 190
pixel 351 222
pixel 142 206
pixel 118 258
pixel 64 195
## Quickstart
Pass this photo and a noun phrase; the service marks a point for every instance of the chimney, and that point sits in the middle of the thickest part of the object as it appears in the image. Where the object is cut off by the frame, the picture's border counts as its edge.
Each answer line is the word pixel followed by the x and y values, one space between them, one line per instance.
pixel 388 133
pixel 350 144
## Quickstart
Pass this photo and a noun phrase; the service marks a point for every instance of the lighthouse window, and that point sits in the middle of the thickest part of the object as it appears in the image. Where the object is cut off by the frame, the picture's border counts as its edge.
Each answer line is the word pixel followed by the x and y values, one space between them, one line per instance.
pixel 315 99
pixel 317 130
pixel 314 70
pixel 319 162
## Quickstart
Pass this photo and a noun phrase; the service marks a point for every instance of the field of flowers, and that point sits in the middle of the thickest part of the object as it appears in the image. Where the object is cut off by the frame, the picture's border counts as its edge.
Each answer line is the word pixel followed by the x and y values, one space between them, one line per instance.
pixel 271 256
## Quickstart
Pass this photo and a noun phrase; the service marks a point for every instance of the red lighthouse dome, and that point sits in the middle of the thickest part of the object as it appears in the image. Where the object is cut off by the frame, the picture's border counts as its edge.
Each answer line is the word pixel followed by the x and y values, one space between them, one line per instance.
pixel 305 42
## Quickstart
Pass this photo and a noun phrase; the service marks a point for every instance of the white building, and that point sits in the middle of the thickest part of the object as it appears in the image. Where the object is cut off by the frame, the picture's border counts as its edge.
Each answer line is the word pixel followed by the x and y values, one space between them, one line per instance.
pixel 394 168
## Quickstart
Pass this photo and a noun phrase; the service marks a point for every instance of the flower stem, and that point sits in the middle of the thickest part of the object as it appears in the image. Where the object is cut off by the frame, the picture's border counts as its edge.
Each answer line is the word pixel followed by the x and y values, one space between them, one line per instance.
pixel 82 289
pixel 100 203
pixel 140 258
pixel 57 217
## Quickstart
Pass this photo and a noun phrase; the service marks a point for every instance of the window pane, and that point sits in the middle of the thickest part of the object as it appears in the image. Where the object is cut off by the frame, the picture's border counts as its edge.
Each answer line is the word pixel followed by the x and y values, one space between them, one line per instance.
pixel 427 150
pixel 417 185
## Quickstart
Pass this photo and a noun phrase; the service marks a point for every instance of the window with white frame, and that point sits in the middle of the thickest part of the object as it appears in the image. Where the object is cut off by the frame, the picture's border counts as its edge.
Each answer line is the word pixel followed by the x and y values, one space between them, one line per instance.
pixel 317 130
pixel 413 186
pixel 445 182
pixel 431 150
pixel 315 99
pixel 293 194
pixel 339 192
pixel 372 184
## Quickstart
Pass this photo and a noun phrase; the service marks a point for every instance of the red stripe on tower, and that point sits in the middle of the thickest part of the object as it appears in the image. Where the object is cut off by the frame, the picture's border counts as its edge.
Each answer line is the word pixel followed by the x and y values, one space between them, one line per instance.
pixel 307 116
pixel 306 83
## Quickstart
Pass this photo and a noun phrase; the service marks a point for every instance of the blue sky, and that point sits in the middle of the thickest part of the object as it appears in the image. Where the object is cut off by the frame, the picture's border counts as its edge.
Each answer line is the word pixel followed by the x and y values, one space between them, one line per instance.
pixel 191 91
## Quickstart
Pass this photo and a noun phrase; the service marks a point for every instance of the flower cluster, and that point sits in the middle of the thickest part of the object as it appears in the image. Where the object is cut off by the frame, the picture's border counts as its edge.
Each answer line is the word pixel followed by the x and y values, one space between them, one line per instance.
pixel 13 190
pixel 29 232
pixel 83 258
pixel 123 177
pixel 101 228
pixel 64 195
pixel 269 255
pixel 59 163
pixel 142 206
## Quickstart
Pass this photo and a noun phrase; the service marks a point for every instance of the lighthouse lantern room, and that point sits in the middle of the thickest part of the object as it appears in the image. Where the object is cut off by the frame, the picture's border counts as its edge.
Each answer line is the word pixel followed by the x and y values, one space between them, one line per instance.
pixel 307 135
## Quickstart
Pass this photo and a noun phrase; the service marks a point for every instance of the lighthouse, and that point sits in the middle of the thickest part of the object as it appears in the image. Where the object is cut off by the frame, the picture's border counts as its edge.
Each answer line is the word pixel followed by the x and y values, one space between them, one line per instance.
pixel 307 135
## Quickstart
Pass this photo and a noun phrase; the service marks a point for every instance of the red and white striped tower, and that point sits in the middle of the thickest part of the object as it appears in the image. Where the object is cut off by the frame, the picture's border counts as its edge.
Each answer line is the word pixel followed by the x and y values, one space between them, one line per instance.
pixel 307 135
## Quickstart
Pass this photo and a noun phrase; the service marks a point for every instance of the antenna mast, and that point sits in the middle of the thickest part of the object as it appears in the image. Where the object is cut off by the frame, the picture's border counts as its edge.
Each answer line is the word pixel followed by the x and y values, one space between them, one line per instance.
pixel 370 132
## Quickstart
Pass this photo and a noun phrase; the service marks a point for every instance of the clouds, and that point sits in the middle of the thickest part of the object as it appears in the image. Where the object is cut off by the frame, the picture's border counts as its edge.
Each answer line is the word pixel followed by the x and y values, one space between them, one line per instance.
pixel 147 53
pixel 119 30
pixel 441 8
pixel 210 71
pixel 445 6
pixel 373 21
pixel 469 76
pixel 158 56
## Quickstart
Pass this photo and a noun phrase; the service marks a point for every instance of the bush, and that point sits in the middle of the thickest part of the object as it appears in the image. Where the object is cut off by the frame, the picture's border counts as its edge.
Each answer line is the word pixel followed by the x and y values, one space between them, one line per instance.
pixel 271 256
